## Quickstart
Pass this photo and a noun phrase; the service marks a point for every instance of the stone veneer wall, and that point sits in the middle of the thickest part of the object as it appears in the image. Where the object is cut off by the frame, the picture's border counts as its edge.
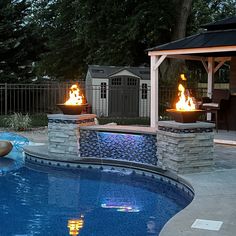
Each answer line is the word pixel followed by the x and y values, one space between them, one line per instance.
pixel 185 148
pixel 139 148
pixel 64 133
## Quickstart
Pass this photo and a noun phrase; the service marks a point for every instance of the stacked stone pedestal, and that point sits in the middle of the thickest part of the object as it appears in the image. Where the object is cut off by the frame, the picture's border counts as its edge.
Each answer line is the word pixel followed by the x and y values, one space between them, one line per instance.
pixel 185 147
pixel 64 133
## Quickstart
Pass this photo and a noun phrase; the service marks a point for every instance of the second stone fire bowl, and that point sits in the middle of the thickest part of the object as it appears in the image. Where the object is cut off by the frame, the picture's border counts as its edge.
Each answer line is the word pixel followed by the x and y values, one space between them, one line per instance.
pixel 185 116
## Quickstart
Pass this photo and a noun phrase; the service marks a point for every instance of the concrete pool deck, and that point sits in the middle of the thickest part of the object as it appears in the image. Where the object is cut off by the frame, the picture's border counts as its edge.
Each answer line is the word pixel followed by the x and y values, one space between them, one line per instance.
pixel 215 192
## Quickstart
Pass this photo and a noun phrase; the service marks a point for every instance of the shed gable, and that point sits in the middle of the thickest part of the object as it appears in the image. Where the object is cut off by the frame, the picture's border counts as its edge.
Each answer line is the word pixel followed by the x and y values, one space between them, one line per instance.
pixel 124 73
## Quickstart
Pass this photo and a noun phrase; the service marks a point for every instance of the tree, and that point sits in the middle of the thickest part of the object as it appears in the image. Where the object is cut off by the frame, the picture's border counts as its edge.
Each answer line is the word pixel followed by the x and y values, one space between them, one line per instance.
pixel 207 11
pixel 19 43
pixel 171 68
pixel 82 32
pixel 105 32
pixel 64 59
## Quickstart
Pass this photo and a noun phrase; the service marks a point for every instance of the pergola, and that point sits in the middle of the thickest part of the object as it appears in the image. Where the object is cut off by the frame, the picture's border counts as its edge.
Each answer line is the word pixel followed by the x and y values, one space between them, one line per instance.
pixel 212 47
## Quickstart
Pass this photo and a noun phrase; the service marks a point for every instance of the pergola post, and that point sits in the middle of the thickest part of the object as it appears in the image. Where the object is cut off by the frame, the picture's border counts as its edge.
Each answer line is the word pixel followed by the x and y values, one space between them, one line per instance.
pixel 155 63
pixel 210 76
pixel 154 92
pixel 210 81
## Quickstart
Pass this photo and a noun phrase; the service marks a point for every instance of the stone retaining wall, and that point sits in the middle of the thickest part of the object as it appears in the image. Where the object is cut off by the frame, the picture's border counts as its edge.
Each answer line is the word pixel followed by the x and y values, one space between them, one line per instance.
pixel 185 148
pixel 64 133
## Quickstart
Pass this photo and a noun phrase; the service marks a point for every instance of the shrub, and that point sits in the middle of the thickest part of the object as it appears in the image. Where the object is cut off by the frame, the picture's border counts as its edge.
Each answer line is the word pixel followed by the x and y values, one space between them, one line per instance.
pixel 18 122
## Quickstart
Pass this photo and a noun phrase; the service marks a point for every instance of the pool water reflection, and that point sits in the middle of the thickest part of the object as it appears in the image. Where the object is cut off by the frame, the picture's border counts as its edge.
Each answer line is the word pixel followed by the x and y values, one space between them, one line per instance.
pixel 85 202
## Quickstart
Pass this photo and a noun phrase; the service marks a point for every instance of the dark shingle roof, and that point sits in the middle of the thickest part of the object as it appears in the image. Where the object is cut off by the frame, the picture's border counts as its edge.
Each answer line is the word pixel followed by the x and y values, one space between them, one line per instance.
pixel 220 33
pixel 98 71
pixel 202 40
pixel 228 23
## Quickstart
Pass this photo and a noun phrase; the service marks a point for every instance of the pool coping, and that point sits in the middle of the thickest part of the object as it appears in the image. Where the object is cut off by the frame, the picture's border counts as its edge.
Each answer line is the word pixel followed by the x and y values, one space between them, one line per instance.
pixel 121 129
pixel 214 200
pixel 39 155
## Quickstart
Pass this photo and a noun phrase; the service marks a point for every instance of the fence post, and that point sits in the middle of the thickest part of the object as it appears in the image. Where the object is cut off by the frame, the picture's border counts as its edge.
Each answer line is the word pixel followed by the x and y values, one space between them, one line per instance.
pixel 5 98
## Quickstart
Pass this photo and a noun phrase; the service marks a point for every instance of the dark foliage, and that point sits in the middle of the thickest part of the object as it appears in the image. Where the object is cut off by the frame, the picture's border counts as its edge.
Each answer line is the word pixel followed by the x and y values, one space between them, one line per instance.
pixel 59 38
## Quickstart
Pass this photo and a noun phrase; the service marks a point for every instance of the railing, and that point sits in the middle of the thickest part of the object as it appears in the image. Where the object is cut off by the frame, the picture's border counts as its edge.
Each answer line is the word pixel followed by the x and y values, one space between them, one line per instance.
pixel 105 101
pixel 31 98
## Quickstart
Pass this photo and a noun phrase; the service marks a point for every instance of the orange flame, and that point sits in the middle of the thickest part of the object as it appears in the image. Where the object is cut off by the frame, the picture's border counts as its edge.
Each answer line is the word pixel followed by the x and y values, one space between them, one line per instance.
pixel 75 97
pixel 185 103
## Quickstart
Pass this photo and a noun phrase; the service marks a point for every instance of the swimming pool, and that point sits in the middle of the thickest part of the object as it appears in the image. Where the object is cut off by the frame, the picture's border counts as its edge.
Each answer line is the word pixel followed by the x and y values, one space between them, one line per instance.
pixel 14 159
pixel 40 200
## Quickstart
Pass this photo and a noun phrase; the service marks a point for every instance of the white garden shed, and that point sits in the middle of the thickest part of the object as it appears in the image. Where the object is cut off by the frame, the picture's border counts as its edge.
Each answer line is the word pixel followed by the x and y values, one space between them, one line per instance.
pixel 118 91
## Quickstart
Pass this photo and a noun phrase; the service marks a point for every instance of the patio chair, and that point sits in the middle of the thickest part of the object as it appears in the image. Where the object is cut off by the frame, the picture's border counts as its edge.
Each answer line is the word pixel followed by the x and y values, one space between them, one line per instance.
pixel 218 106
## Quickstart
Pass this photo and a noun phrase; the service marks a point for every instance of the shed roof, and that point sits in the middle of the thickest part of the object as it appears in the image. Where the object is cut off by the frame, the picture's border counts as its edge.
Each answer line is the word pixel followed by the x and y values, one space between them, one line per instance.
pixel 98 71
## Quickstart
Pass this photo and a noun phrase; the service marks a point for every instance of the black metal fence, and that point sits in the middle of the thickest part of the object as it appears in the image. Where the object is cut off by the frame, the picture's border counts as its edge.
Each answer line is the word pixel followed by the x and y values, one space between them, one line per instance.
pixel 104 100
pixel 32 98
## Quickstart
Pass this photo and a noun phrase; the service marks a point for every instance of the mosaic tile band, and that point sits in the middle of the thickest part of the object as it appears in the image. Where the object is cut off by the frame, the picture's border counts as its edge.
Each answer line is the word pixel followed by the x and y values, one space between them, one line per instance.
pixel 58 121
pixel 108 145
pixel 185 131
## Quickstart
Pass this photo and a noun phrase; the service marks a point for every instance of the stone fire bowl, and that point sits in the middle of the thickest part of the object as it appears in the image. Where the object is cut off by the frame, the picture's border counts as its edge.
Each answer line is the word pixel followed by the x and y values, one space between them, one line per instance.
pixel 71 109
pixel 185 116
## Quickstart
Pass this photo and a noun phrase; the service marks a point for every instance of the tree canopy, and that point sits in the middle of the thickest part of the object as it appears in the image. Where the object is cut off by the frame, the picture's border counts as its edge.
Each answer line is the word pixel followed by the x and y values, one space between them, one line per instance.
pixel 59 38
pixel 19 42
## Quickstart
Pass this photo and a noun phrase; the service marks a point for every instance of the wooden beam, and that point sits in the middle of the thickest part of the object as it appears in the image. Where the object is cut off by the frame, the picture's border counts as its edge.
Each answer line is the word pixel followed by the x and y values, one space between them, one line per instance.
pixel 193 50
pixel 187 57
pixel 219 65
pixel 205 66
pixel 223 58
pixel 160 60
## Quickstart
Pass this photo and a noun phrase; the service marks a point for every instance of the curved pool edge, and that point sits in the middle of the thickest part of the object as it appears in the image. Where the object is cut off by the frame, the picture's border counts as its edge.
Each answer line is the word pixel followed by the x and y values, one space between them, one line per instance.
pixel 214 199
pixel 38 155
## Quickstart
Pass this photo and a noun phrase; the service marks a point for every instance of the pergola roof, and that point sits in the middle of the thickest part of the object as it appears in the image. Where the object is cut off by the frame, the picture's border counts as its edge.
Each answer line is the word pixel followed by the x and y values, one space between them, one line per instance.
pixel 220 42
pixel 202 40
pixel 228 23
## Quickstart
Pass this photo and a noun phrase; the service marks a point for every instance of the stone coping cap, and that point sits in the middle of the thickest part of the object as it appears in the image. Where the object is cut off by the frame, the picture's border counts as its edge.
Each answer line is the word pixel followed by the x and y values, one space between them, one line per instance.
pixel 122 129
pixel 178 125
pixel 70 117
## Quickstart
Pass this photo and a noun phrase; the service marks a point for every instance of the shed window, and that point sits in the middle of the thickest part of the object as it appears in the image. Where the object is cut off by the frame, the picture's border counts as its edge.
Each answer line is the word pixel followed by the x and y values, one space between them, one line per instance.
pixel 103 90
pixel 144 91
pixel 132 81
pixel 116 81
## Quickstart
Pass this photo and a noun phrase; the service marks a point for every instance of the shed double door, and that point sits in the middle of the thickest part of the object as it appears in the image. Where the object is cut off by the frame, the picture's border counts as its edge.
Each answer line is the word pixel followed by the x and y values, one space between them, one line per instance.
pixel 124 97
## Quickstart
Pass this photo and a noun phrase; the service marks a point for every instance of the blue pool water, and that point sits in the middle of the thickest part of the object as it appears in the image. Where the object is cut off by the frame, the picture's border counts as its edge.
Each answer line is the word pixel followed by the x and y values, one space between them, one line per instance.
pixel 14 159
pixel 42 201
